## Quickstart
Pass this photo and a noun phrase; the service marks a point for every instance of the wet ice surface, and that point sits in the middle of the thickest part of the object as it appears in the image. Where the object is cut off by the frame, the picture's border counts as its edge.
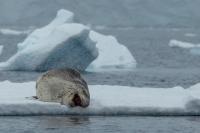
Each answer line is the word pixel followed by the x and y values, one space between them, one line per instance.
pixel 80 124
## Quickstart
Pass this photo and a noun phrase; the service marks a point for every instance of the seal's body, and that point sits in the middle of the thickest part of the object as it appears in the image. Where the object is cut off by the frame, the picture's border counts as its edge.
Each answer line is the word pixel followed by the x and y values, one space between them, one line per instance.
pixel 65 86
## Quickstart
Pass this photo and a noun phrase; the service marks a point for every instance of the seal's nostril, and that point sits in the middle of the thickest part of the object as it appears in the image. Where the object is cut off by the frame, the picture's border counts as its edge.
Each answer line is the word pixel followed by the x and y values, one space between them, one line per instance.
pixel 77 100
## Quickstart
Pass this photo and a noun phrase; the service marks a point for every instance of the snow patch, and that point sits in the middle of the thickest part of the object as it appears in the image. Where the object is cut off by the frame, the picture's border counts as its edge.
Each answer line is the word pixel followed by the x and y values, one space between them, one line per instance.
pixel 16 99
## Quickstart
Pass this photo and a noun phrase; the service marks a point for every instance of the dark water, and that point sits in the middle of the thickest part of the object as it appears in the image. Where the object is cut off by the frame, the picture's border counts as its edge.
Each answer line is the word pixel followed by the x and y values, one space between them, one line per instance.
pixel 145 27
pixel 84 124
pixel 140 77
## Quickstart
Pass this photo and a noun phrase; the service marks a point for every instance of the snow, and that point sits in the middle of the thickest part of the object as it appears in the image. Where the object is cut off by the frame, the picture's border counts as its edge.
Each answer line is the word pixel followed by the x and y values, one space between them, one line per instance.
pixel 38 47
pixel 1 49
pixel 15 99
pixel 112 54
pixel 14 32
pixel 54 46
pixel 181 44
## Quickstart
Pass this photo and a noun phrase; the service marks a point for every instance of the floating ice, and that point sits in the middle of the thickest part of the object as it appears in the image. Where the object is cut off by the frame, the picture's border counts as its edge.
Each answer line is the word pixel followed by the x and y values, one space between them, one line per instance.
pixel 57 45
pixel 112 54
pixel 181 44
pixel 15 99
pixel 14 32
pixel 63 43
pixel 194 48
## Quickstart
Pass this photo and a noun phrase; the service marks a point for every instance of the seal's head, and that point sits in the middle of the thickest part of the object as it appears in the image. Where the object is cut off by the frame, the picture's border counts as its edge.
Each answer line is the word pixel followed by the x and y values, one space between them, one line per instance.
pixel 76 97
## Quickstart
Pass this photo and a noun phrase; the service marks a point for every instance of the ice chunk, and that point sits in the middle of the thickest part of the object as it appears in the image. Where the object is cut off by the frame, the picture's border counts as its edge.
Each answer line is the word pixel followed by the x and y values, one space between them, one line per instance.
pixel 56 45
pixel 14 32
pixel 112 55
pixel 176 43
pixel 193 48
pixel 16 99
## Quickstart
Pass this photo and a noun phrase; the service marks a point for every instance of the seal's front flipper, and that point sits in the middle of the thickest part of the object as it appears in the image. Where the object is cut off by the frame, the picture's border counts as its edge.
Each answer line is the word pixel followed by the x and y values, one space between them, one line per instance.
pixel 32 98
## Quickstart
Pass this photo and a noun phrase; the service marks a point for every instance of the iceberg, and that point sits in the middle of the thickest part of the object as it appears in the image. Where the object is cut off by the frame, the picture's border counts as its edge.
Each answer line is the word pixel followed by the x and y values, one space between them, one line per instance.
pixel 60 44
pixel 16 99
pixel 112 54
pixel 64 43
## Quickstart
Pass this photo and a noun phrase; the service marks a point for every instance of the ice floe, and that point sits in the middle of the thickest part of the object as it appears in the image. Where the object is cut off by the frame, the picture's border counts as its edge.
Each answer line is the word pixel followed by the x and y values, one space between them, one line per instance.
pixel 47 48
pixel 14 32
pixel 193 48
pixel 15 99
pixel 181 44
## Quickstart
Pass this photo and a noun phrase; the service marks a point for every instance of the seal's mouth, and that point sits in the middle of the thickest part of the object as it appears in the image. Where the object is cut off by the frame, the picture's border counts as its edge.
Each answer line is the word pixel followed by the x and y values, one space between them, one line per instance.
pixel 76 100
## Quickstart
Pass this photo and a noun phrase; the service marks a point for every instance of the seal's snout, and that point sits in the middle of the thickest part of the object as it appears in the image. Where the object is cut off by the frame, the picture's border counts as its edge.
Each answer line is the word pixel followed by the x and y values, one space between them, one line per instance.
pixel 77 100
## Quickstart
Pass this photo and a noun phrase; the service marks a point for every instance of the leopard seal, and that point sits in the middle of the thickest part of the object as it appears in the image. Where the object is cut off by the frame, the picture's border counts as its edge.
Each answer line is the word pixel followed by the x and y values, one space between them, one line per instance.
pixel 65 86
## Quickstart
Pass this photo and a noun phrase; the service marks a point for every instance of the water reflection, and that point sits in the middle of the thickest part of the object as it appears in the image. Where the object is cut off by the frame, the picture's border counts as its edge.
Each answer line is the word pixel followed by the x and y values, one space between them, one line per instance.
pixel 64 122
pixel 98 124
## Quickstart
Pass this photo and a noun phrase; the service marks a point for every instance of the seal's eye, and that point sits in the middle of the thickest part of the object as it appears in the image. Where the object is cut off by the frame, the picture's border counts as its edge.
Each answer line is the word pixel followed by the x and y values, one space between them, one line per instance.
pixel 77 100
